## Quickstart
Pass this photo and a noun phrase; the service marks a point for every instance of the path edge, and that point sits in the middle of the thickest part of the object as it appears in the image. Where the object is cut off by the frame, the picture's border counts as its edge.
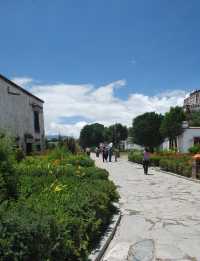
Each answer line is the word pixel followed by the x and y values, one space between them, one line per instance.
pixel 98 253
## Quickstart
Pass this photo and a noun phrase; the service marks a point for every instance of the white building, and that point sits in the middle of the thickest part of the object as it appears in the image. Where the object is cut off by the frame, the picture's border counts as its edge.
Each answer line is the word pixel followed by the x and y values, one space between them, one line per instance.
pixel 189 137
pixel 129 145
pixel 21 116
pixel 192 103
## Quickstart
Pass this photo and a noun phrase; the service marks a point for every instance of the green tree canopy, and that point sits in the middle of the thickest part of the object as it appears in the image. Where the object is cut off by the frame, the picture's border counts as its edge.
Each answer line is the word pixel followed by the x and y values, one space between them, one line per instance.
pixel 146 130
pixel 91 135
pixel 194 119
pixel 171 126
pixel 115 133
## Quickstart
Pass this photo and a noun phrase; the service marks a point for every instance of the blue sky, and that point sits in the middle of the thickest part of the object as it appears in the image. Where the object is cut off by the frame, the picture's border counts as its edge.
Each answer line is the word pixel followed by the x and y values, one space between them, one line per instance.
pixel 153 45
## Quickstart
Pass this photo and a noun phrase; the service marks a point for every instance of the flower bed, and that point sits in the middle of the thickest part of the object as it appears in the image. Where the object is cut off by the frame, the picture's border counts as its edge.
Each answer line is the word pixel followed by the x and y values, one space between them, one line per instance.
pixel 173 162
pixel 63 205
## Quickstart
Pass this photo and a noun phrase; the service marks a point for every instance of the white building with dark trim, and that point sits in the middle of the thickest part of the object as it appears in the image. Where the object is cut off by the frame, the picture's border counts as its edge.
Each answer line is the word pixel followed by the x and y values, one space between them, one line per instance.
pixel 21 116
pixel 189 138
pixel 192 103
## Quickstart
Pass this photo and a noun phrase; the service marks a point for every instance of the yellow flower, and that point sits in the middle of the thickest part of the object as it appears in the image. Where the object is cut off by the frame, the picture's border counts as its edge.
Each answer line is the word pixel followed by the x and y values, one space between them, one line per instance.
pixel 57 188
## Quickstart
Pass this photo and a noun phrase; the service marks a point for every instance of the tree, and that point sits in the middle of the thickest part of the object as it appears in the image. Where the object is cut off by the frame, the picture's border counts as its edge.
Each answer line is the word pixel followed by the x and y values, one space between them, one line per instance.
pixel 91 135
pixel 146 130
pixel 193 118
pixel 115 133
pixel 171 126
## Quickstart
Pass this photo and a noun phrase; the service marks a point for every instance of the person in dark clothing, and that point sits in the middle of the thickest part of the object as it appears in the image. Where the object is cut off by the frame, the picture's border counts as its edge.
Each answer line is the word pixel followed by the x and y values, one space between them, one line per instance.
pixel 104 153
pixel 146 158
pixel 110 154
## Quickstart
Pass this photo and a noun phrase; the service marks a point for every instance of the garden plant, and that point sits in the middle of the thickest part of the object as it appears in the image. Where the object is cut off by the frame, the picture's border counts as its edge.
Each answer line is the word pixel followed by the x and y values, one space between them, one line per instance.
pixel 52 207
pixel 167 160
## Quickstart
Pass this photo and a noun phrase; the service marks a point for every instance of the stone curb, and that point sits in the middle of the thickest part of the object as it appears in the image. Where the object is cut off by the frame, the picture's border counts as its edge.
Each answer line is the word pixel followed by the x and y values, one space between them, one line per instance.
pixel 98 253
pixel 176 175
pixel 170 173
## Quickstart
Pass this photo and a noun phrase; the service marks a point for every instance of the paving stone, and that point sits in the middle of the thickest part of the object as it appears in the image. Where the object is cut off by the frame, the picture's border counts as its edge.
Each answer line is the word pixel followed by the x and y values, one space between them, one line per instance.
pixel 142 251
pixel 159 207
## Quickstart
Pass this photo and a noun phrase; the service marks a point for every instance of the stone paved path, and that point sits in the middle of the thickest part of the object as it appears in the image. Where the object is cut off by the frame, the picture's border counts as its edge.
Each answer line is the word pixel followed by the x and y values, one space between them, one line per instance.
pixel 161 215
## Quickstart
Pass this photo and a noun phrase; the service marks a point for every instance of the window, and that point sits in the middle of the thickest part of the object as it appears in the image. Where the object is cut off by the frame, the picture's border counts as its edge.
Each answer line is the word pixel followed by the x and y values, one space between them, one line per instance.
pixel 38 147
pixel 196 140
pixel 36 121
pixel 29 148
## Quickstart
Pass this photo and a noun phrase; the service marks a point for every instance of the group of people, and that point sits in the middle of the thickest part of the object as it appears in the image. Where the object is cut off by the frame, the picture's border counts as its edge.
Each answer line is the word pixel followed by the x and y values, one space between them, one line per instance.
pixel 107 152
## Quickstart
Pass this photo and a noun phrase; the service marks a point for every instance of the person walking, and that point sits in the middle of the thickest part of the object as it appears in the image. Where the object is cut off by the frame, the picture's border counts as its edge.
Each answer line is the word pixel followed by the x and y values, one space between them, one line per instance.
pixel 104 153
pixel 116 154
pixel 110 151
pixel 146 158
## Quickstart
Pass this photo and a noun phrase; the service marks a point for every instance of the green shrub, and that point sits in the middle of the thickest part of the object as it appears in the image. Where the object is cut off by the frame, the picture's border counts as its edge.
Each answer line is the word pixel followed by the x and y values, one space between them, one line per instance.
pixel 62 221
pixel 155 160
pixel 19 154
pixel 135 156
pixel 80 160
pixel 8 175
pixel 179 166
pixel 58 153
pixel 64 205
pixel 194 149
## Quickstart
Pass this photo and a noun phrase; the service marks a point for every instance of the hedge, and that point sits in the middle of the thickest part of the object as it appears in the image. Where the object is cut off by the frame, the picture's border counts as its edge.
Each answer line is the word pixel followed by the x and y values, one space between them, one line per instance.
pixel 173 162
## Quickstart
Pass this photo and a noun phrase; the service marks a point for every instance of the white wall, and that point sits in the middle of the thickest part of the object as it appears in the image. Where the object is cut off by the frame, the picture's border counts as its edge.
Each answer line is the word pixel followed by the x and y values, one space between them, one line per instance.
pixel 186 140
pixel 16 113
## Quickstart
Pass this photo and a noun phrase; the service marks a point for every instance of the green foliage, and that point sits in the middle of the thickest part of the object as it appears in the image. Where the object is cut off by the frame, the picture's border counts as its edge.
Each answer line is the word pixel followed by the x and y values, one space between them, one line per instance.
pixel 8 176
pixel 81 160
pixel 70 144
pixel 168 161
pixel 146 130
pixel 194 119
pixel 179 166
pixel 194 149
pixel 171 126
pixel 155 160
pixel 135 156
pixel 115 133
pixel 60 152
pixel 19 154
pixel 92 135
pixel 64 204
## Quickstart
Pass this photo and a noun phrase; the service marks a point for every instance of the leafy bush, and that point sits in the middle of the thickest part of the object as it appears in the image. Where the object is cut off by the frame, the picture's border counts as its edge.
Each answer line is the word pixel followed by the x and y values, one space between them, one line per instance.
pixel 135 156
pixel 58 153
pixel 155 160
pixel 64 205
pixel 19 154
pixel 169 161
pixel 194 149
pixel 182 167
pixel 80 160
pixel 8 176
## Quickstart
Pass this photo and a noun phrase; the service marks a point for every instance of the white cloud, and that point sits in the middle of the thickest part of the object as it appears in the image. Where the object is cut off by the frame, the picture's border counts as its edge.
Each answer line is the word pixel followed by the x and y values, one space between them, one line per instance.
pixel 22 81
pixel 97 104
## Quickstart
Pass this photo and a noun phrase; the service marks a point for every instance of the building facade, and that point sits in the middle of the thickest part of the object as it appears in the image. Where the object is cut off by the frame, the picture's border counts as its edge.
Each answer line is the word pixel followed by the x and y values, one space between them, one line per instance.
pixel 192 103
pixel 189 138
pixel 21 116
pixel 129 145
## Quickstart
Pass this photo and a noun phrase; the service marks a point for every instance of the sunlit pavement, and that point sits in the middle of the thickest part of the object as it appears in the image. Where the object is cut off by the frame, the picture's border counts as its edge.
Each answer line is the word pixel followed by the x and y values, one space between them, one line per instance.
pixel 161 215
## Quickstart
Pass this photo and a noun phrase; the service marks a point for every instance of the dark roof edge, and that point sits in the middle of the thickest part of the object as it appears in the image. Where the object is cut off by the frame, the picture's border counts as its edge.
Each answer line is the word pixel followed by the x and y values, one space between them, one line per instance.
pixel 20 88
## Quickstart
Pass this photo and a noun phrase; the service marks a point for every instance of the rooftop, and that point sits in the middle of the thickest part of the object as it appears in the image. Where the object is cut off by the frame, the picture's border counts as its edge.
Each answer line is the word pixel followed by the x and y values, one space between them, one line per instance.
pixel 19 88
